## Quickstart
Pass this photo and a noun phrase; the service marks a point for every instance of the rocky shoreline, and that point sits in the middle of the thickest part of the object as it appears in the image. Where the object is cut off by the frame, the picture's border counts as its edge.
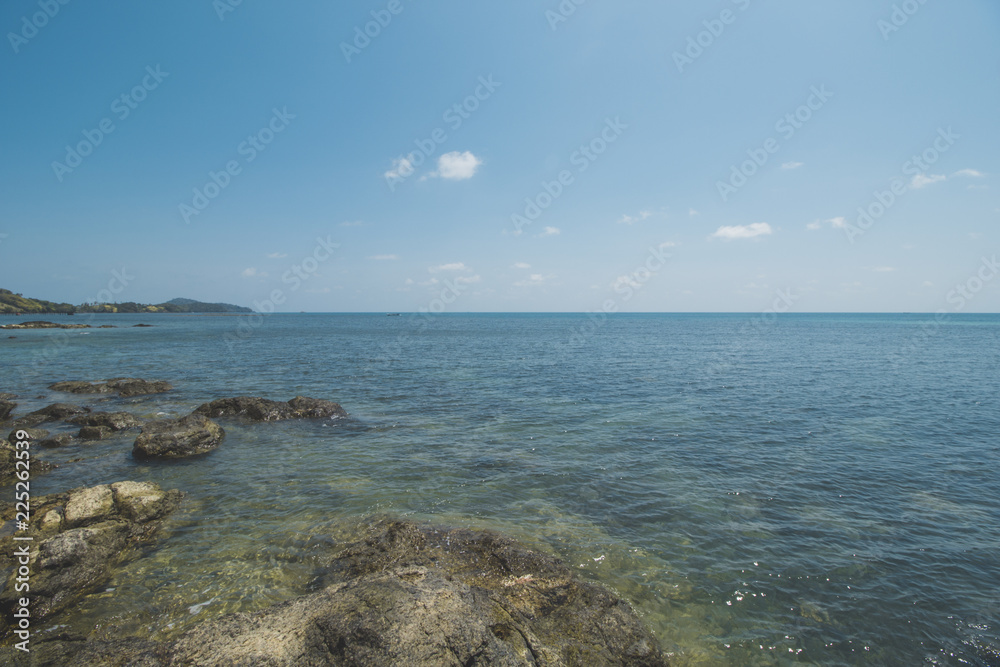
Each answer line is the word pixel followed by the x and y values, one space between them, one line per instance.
pixel 400 594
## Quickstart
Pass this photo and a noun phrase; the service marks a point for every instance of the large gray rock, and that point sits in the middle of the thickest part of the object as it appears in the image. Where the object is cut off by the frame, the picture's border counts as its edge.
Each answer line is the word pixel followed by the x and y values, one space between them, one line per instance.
pixel 265 410
pixel 124 387
pixel 81 536
pixel 410 595
pixel 177 438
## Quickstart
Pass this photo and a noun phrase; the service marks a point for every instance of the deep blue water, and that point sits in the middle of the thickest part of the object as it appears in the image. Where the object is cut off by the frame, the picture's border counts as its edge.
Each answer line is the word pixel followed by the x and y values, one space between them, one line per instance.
pixel 818 489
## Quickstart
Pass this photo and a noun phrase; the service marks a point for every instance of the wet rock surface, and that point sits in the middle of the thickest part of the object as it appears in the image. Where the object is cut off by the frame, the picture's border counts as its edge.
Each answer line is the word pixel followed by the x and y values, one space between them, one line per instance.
pixel 124 387
pixel 79 537
pixel 6 407
pixel 411 595
pixel 177 438
pixel 8 462
pixel 116 421
pixel 265 410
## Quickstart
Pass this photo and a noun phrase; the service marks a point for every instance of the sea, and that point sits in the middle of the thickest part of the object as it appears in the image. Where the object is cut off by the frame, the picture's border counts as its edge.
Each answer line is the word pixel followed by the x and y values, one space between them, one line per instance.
pixel 802 489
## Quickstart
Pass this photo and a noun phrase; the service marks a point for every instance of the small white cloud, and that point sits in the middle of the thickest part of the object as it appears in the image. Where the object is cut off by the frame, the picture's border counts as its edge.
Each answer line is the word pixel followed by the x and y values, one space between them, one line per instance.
pixel 922 181
pixel 629 219
pixel 456 266
pixel 401 168
pixel 838 223
pixel 253 273
pixel 384 258
pixel 355 223
pixel 409 281
pixel 883 269
pixel 969 172
pixel 521 265
pixel 457 166
pixel 468 280
pixel 534 280
pixel 743 231
pixel 550 231
pixel 813 226
pixel 928 283
pixel 693 212
pixel 792 165
pixel 277 255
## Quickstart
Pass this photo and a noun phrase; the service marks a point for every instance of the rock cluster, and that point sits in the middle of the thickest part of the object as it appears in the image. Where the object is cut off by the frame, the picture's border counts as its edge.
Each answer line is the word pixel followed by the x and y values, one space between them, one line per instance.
pixel 264 410
pixel 177 438
pixel 124 387
pixel 79 537
pixel 411 595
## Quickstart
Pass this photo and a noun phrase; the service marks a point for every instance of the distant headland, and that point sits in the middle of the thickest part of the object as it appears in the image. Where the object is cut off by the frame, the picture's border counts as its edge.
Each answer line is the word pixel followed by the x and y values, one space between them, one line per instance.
pixel 13 304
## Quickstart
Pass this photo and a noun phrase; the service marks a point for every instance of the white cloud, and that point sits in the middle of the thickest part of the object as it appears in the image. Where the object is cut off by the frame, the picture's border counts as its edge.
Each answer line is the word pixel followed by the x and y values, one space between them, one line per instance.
pixel 455 266
pixel 813 226
pixel 883 269
pixel 693 212
pixel 969 172
pixel 534 280
pixel 468 280
pixel 921 181
pixel 928 283
pixel 409 281
pixel 384 258
pixel 792 165
pixel 521 265
pixel 253 273
pixel 550 231
pixel 401 168
pixel 839 222
pixel 277 255
pixel 457 166
pixel 743 231
pixel 628 219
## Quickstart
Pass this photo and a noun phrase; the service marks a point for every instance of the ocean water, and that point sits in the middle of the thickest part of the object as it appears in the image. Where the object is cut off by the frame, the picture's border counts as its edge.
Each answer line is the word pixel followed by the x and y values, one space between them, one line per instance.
pixel 816 489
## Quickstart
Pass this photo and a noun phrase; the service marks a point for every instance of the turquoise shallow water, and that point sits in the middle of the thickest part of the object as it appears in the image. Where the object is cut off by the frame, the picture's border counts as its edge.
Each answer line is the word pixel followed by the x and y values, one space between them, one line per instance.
pixel 817 490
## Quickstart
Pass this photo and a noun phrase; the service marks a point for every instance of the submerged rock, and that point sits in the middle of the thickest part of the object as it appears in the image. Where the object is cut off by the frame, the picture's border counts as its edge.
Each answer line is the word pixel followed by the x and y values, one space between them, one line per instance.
pixel 81 536
pixel 411 595
pixel 116 421
pixel 177 438
pixel 264 410
pixel 95 433
pixel 51 413
pixel 124 387
pixel 8 461
pixel 56 441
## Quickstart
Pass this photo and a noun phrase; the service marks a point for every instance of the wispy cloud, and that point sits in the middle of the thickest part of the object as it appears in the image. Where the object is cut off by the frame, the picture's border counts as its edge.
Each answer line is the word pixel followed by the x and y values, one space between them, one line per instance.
pixel 693 212
pixel 384 258
pixel 521 265
pixel 629 219
pixel 455 266
pixel 550 231
pixel 401 168
pixel 534 280
pixel 792 165
pixel 742 231
pixel 253 273
pixel 813 226
pixel 969 172
pixel 277 255
pixel 883 269
pixel 921 181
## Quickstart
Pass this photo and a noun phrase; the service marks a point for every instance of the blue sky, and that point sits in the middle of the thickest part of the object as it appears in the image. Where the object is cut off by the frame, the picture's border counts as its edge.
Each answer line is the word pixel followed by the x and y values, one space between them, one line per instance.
pixel 643 124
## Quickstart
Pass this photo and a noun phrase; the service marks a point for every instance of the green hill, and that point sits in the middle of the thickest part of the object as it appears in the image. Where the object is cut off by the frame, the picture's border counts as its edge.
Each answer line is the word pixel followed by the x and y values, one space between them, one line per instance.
pixel 15 303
